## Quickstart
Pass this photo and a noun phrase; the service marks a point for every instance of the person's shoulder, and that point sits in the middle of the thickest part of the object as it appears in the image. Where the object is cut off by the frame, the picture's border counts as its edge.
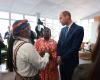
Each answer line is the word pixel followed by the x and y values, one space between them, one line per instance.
pixel 52 40
pixel 26 44
pixel 82 71
pixel 23 45
pixel 40 39
pixel 78 27
pixel 26 47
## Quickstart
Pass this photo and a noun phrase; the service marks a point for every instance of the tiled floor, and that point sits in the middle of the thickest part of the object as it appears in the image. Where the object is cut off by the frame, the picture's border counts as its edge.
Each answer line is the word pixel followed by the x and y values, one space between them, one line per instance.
pixel 5 75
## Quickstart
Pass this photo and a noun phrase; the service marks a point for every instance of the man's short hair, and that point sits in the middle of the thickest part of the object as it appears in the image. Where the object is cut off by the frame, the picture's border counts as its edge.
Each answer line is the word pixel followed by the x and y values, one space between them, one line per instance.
pixel 66 13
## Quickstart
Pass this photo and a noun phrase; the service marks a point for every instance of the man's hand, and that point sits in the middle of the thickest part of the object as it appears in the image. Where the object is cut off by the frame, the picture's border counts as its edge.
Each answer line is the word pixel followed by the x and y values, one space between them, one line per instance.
pixel 59 60
pixel 46 59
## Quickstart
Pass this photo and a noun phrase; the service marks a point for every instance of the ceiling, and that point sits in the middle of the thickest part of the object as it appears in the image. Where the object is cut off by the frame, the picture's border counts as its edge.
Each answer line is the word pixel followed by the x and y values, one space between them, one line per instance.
pixel 51 8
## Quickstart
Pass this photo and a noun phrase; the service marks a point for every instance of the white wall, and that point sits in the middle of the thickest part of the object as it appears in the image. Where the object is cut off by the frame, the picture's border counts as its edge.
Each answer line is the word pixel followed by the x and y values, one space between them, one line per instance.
pixel 94 32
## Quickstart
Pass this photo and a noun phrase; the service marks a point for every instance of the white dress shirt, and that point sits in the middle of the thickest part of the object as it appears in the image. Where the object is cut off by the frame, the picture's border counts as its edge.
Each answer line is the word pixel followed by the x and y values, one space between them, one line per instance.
pixel 69 26
pixel 28 60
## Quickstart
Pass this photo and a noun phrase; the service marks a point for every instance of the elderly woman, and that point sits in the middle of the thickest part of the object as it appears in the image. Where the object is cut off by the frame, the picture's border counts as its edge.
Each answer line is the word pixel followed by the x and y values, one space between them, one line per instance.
pixel 42 45
pixel 27 61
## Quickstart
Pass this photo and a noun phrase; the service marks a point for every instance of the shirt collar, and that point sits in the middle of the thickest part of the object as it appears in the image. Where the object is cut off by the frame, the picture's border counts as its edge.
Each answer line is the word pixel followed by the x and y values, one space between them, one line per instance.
pixel 24 39
pixel 70 24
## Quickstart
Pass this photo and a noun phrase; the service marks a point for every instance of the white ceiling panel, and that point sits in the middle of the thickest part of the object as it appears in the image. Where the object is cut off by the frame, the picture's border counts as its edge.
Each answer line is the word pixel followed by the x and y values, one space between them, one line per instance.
pixel 51 8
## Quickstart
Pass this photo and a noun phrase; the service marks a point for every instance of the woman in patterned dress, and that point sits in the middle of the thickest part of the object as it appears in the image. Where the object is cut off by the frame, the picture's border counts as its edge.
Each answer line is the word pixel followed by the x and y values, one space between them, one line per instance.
pixel 47 44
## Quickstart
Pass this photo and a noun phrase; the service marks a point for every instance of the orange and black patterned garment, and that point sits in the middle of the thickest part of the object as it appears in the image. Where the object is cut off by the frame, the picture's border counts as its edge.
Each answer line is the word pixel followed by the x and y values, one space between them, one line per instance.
pixel 51 71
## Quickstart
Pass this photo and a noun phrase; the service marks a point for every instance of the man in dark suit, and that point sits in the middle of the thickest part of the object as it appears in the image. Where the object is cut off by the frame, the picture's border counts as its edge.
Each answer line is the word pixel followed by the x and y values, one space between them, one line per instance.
pixel 70 39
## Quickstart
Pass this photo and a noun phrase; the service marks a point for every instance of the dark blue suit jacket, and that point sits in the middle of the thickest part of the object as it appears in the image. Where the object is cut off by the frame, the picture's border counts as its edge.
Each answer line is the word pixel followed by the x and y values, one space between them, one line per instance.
pixel 68 47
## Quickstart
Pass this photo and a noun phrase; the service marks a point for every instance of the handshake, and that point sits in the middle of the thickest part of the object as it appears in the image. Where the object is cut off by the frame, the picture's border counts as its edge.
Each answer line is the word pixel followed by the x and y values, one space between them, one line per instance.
pixel 58 58
pixel 48 52
pixel 46 58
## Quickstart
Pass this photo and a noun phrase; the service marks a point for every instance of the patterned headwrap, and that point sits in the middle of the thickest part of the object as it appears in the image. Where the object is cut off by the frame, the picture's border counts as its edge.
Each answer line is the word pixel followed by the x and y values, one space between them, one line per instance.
pixel 20 26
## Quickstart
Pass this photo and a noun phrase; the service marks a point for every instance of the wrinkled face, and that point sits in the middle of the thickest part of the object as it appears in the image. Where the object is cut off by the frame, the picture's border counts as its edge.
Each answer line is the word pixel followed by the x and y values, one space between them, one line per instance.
pixel 64 19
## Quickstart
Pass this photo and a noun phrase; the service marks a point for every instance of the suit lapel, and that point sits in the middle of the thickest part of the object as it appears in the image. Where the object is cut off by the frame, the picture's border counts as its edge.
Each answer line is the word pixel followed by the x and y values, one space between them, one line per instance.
pixel 63 36
pixel 69 32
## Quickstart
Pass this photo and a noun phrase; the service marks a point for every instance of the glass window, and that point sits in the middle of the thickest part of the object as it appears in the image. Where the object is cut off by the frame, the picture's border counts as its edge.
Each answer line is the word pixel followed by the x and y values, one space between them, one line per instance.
pixel 4 28
pixel 16 16
pixel 4 15
pixel 12 22
pixel 33 25
pixel 31 18
pixel 85 24
pixel 78 22
pixel 49 20
pixel 56 22
pixel 91 20
pixel 55 30
pixel 42 19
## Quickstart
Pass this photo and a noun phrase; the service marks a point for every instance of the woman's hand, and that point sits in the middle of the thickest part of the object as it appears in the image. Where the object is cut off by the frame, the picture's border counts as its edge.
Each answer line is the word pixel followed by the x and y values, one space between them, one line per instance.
pixel 42 53
pixel 48 51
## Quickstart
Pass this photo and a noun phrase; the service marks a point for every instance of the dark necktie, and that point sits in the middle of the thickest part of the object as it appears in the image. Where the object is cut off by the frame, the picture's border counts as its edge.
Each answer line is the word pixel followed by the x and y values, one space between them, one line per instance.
pixel 66 31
